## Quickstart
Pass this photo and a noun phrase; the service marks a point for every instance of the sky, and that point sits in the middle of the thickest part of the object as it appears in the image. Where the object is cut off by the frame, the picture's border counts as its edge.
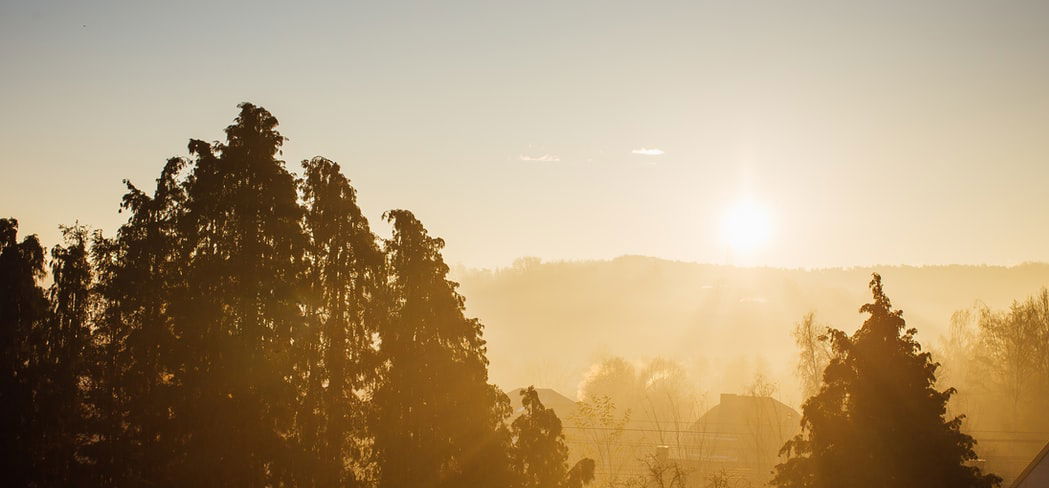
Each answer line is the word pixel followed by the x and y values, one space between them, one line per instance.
pixel 793 134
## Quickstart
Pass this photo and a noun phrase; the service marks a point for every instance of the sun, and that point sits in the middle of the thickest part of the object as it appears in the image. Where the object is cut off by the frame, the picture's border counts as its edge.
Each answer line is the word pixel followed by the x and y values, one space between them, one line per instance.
pixel 746 227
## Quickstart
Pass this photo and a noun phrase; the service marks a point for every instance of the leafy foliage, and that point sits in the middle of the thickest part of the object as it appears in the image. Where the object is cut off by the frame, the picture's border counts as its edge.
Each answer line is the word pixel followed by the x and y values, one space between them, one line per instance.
pixel 23 312
pixel 877 419
pixel 335 360
pixel 437 420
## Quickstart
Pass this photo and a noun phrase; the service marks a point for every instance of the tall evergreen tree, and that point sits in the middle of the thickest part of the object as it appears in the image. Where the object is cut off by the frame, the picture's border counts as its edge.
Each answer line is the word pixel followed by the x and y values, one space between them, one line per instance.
pixel 336 358
pixel 61 352
pixel 877 419
pixel 235 313
pixel 23 310
pixel 438 423
pixel 228 335
pixel 131 389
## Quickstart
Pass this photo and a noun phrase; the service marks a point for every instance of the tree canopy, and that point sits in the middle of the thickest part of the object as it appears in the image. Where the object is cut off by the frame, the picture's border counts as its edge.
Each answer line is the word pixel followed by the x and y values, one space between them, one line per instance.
pixel 878 419
pixel 245 327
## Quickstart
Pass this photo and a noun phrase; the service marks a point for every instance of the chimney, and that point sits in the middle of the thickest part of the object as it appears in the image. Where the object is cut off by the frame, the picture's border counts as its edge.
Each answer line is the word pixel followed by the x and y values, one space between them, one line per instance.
pixel 662 455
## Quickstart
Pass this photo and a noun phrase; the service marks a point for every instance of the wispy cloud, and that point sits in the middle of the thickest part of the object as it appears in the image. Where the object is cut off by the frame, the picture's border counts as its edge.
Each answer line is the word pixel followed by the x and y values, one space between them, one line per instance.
pixel 753 300
pixel 648 151
pixel 546 158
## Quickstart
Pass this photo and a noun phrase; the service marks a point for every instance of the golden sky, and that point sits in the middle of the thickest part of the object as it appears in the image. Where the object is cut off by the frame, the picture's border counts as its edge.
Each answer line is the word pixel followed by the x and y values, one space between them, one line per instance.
pixel 843 133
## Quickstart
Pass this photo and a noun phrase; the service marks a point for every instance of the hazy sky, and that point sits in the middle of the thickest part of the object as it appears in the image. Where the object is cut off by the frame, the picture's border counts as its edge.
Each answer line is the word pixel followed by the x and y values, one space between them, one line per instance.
pixel 882 132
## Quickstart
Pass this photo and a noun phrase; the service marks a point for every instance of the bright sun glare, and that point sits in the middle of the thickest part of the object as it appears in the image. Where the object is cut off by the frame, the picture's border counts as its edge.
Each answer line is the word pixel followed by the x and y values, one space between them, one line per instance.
pixel 746 227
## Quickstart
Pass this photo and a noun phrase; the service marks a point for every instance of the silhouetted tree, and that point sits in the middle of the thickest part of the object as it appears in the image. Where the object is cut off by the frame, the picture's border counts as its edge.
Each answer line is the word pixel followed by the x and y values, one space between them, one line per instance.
pixel 539 453
pixel 243 328
pixel 877 419
pixel 235 312
pixel 582 473
pixel 437 420
pixel 45 342
pixel 335 354
pixel 61 353
pixel 132 369
pixel 23 311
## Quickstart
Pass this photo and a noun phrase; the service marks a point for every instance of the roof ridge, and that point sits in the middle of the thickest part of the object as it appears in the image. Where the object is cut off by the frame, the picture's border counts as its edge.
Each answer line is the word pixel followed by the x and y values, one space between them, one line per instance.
pixel 1030 467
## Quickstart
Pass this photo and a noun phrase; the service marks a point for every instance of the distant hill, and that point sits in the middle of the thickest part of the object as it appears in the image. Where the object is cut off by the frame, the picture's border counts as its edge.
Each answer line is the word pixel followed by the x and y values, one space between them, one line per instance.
pixel 546 323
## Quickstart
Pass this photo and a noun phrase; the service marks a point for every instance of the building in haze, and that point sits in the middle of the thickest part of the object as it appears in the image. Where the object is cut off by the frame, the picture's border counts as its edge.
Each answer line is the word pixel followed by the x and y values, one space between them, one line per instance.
pixel 738 439
pixel 1036 475
pixel 564 407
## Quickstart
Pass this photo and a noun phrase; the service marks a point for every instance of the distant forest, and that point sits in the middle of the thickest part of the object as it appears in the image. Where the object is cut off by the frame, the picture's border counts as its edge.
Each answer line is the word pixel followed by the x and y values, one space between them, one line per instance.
pixel 246 327
pixel 723 324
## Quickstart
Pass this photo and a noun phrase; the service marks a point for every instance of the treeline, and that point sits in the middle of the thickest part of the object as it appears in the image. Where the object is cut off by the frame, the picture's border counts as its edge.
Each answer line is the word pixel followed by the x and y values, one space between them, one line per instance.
pixel 1001 357
pixel 245 327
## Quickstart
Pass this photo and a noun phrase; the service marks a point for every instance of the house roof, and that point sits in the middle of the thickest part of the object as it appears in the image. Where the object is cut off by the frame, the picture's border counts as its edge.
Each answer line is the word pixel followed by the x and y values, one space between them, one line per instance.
pixel 563 406
pixel 740 413
pixel 1036 472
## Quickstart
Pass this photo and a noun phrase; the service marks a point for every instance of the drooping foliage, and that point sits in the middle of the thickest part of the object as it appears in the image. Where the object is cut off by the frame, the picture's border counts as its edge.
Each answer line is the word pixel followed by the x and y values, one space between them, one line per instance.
pixel 236 309
pixel 46 346
pixel 132 389
pixel 23 312
pixel 244 328
pixel 62 357
pixel 437 420
pixel 336 360
pixel 878 419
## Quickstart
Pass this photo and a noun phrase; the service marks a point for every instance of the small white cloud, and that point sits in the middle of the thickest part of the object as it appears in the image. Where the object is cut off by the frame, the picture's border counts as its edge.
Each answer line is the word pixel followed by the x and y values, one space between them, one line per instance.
pixel 753 300
pixel 546 158
pixel 648 151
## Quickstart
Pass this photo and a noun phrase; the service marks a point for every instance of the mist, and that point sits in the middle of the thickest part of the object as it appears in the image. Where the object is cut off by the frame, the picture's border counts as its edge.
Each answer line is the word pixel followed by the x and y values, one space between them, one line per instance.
pixel 544 244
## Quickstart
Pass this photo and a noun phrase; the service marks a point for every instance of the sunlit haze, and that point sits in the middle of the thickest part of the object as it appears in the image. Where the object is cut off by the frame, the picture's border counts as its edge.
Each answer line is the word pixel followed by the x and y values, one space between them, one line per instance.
pixel 747 228
pixel 524 244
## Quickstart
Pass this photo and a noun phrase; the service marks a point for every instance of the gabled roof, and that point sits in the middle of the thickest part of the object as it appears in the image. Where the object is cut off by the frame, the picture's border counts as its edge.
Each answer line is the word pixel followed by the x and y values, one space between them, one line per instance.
pixel 1035 474
pixel 738 413
pixel 563 406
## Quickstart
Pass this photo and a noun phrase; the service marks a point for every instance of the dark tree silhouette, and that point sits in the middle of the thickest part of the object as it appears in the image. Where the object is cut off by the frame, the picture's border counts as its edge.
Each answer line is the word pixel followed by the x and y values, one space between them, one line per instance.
pixel 335 354
pixel 539 453
pixel 61 355
pixel 23 311
pixel 877 419
pixel 131 392
pixel 45 340
pixel 234 314
pixel 437 421
pixel 243 328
